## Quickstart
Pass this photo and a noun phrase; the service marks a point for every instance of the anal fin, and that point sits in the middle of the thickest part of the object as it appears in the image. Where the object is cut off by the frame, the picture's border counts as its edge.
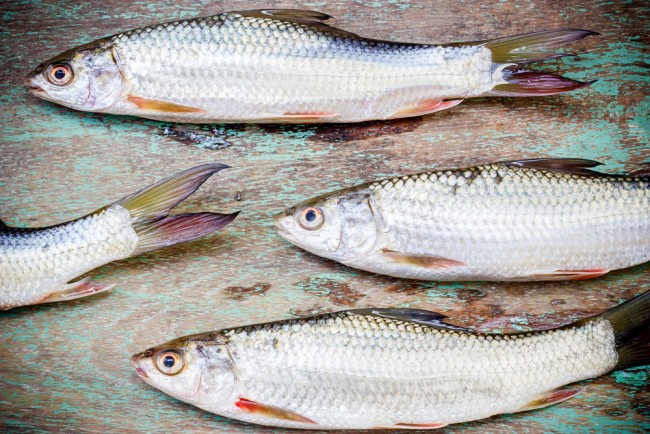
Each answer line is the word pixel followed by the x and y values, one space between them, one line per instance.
pixel 414 426
pixel 161 106
pixel 298 117
pixel 421 261
pixel 571 274
pixel 425 107
pixel 78 289
pixel 249 406
pixel 551 397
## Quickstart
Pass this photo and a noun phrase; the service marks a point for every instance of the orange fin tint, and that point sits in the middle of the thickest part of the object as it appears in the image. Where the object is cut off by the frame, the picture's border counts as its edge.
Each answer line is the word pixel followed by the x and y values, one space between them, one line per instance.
pixel 302 117
pixel 421 260
pixel 572 274
pixel 551 397
pixel 425 107
pixel 414 426
pixel 161 106
pixel 81 288
pixel 249 406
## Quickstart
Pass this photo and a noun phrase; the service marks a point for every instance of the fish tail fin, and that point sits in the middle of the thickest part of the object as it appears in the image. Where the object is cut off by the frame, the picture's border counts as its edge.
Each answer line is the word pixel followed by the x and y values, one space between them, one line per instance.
pixel 524 82
pixel 176 229
pixel 530 47
pixel 509 53
pixel 631 323
pixel 149 209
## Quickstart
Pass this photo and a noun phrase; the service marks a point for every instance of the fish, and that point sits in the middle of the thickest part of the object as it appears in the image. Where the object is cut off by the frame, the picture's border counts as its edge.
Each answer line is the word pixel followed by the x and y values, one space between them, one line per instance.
pixel 390 367
pixel 290 66
pixel 522 220
pixel 37 264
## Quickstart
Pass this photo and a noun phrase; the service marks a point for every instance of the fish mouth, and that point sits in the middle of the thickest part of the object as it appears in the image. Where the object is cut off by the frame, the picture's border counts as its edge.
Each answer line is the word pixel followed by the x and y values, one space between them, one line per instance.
pixel 277 221
pixel 135 362
pixel 282 230
pixel 32 86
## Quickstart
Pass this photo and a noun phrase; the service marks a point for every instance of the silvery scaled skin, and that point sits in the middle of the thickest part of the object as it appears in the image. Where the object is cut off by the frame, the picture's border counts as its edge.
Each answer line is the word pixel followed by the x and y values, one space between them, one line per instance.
pixel 527 220
pixel 389 368
pixel 37 264
pixel 287 66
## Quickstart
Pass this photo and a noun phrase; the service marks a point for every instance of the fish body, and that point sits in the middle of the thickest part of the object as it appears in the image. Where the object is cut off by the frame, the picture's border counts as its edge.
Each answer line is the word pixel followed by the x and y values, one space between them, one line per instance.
pixel 389 368
pixel 550 219
pixel 288 66
pixel 37 264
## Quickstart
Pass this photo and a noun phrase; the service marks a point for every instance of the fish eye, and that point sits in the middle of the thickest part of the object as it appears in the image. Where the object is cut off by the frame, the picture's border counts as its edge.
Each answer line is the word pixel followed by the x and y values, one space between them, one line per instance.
pixel 169 362
pixel 60 74
pixel 311 218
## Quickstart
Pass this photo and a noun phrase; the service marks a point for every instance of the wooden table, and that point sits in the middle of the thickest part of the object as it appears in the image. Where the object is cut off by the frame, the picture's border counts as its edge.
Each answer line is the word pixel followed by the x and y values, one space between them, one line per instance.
pixel 66 366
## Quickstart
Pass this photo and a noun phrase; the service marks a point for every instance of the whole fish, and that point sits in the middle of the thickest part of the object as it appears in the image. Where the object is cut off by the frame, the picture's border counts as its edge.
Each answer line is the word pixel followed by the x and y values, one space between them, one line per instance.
pixel 390 368
pixel 36 264
pixel 289 66
pixel 542 219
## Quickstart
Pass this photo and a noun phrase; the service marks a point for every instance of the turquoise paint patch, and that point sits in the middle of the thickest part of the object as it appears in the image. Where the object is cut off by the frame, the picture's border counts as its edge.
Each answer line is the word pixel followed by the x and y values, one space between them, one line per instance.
pixel 637 377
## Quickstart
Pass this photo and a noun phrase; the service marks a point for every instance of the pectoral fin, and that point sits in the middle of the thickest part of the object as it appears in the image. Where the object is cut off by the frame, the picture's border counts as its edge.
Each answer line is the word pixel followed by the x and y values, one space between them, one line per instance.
pixel 421 261
pixel 249 406
pixel 551 397
pixel 425 107
pixel 81 288
pixel 161 106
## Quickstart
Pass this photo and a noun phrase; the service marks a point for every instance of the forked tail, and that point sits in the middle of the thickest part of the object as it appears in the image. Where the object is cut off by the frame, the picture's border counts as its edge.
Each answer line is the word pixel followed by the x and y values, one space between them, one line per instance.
pixel 631 323
pixel 509 53
pixel 150 207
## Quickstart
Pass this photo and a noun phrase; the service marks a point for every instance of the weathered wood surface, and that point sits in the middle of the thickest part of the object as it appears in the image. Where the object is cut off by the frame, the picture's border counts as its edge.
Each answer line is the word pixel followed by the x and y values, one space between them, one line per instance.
pixel 66 366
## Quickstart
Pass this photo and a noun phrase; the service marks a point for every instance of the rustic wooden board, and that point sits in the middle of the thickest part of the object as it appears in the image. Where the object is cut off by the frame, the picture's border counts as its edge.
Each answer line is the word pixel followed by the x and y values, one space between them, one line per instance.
pixel 66 366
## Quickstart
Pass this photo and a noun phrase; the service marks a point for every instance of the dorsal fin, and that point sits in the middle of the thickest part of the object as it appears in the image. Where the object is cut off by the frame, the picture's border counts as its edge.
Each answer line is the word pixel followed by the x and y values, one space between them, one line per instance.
pixel 292 15
pixel 573 166
pixel 643 172
pixel 417 316
pixel 311 18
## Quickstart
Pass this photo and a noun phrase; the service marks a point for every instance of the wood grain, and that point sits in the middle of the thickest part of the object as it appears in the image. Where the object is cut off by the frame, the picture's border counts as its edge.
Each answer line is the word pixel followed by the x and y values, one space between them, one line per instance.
pixel 65 367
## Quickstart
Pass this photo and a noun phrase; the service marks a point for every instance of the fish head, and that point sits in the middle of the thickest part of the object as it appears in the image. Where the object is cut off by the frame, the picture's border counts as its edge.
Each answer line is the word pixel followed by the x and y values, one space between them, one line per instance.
pixel 195 369
pixel 87 78
pixel 342 226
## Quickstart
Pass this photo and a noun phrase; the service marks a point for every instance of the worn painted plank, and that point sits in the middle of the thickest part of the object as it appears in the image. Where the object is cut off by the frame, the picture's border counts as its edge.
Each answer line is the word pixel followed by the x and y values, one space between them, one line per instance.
pixel 65 366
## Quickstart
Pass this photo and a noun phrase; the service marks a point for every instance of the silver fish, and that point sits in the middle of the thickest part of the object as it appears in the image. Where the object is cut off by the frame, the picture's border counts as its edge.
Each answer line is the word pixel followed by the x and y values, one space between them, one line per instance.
pixel 289 66
pixel 36 264
pixel 544 219
pixel 390 368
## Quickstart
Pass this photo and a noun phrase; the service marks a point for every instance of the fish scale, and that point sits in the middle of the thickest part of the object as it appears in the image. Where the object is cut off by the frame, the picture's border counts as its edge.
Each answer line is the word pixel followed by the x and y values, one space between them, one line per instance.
pixel 288 67
pixel 492 222
pixel 330 364
pixel 389 368
pixel 61 253
pixel 37 264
